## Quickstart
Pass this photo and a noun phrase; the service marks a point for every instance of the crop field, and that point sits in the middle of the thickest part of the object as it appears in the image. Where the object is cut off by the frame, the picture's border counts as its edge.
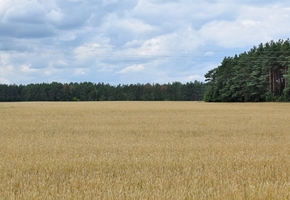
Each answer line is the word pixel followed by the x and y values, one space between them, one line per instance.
pixel 144 150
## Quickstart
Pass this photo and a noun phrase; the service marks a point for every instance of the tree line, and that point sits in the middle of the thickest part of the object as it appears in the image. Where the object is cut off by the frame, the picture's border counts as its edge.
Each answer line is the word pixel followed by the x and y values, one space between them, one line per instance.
pixel 88 91
pixel 259 75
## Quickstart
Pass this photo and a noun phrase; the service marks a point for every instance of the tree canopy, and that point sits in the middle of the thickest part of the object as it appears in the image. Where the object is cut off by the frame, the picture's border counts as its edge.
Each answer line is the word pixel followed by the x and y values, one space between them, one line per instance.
pixel 88 91
pixel 258 75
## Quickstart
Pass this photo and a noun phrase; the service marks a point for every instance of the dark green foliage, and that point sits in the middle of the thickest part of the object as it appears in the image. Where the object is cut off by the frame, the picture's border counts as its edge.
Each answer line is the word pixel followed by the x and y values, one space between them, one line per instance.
pixel 258 75
pixel 87 91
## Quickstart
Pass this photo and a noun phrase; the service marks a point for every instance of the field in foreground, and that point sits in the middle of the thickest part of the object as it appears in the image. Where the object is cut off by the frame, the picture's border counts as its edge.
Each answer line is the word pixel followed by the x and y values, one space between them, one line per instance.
pixel 144 150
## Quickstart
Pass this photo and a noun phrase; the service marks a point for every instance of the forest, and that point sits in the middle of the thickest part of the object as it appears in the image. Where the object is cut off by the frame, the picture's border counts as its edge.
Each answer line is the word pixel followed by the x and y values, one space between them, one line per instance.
pixel 88 91
pixel 259 75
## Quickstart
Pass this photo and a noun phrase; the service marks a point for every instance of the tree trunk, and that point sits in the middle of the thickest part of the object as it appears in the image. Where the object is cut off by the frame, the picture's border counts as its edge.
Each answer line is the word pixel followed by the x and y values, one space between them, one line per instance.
pixel 285 79
pixel 273 81
pixel 270 79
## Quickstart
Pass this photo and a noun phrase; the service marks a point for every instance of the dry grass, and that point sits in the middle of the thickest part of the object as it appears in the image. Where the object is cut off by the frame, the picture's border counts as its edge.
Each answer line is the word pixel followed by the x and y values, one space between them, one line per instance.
pixel 144 150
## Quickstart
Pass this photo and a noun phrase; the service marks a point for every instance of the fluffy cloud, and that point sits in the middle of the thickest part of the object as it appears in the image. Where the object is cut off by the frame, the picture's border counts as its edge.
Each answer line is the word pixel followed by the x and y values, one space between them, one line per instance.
pixel 252 26
pixel 129 41
pixel 132 68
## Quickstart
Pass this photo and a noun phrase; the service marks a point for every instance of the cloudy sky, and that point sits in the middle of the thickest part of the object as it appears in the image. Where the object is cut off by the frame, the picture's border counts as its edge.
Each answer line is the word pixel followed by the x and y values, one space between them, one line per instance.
pixel 130 41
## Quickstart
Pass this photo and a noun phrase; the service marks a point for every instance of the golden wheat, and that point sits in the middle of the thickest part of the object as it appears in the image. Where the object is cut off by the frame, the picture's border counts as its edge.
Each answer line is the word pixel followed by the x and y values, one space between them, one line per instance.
pixel 144 150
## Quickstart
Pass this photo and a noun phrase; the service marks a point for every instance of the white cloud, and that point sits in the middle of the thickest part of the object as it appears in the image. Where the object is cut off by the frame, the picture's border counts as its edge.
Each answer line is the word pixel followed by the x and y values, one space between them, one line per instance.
pixel 27 69
pixel 24 12
pixel 122 41
pixel 80 71
pixel 92 50
pixel 253 26
pixel 132 69
pixel 55 15
pixel 209 53
pixel 51 71
pixel 172 45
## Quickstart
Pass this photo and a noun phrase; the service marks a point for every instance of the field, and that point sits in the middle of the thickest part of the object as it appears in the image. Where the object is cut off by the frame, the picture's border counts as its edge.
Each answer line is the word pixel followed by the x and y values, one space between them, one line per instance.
pixel 144 150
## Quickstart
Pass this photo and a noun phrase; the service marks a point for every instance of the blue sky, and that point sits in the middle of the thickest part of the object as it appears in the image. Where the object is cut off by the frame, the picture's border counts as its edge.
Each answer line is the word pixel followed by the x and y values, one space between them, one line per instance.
pixel 130 41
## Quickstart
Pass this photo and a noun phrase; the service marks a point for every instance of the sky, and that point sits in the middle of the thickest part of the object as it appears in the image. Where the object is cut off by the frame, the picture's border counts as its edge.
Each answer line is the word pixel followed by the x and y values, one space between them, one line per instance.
pixel 130 41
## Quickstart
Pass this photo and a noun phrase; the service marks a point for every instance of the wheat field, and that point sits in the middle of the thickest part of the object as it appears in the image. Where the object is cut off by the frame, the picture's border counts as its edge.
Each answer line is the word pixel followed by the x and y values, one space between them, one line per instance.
pixel 144 150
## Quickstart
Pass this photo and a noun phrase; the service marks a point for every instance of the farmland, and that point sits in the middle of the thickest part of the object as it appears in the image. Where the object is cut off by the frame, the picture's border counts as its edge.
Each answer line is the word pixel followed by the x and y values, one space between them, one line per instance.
pixel 144 150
